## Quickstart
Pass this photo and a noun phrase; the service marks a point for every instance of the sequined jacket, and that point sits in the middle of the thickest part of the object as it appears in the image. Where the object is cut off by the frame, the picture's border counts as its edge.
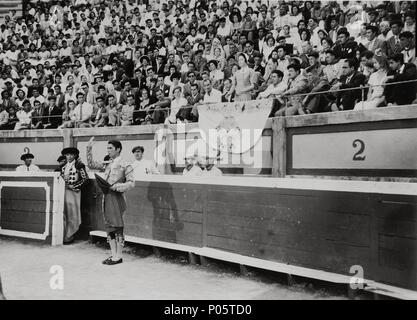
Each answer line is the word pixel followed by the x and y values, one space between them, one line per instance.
pixel 117 172
pixel 77 176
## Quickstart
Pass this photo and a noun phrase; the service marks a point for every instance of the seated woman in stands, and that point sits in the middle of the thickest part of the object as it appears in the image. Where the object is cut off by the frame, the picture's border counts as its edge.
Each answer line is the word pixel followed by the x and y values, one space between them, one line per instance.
pixel 376 82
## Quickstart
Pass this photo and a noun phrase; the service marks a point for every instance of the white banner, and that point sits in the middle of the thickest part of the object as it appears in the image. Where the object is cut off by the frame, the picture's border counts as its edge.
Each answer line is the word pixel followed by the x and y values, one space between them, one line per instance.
pixel 233 127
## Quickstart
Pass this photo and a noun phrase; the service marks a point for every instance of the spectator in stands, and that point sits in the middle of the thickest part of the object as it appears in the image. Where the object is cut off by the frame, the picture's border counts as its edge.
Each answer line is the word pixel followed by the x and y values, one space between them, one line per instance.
pixel 400 93
pixel 126 116
pixel 83 112
pixel 407 44
pixel 375 97
pixel 351 79
pixel 24 115
pixel 52 116
pixel 119 48
pixel 4 117
pixel 297 85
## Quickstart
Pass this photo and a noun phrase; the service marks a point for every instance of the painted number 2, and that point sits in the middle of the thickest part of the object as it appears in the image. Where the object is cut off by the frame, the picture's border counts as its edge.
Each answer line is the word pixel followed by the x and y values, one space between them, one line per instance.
pixel 359 143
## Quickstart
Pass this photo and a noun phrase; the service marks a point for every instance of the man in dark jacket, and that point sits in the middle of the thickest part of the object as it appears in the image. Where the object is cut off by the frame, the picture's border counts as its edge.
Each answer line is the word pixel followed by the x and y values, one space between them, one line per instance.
pixel 345 48
pixel 402 93
pixel 351 79
pixel 52 115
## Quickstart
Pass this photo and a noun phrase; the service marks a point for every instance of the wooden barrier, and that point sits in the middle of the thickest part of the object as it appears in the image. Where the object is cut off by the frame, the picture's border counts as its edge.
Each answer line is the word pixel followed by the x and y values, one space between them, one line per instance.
pixel 363 144
pixel 372 143
pixel 31 206
pixel 316 225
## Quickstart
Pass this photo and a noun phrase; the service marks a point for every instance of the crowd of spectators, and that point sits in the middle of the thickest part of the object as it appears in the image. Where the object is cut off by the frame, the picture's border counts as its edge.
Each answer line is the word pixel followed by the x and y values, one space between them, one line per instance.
pixel 95 63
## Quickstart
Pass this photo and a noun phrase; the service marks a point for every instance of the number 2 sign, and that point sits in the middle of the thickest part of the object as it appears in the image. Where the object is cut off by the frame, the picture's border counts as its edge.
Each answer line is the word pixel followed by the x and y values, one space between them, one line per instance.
pixel 359 143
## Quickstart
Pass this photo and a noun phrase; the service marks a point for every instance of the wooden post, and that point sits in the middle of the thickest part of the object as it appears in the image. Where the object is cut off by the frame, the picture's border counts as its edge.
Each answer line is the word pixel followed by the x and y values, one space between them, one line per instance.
pixel 156 252
pixel 279 155
pixel 68 138
pixel 204 261
pixel 351 293
pixel 192 258
pixel 2 297
pixel 169 158
pixel 290 280
pixel 244 270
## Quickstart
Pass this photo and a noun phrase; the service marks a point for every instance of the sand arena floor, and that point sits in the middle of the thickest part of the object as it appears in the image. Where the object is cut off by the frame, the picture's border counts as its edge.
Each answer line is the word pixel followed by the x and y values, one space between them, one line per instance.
pixel 25 271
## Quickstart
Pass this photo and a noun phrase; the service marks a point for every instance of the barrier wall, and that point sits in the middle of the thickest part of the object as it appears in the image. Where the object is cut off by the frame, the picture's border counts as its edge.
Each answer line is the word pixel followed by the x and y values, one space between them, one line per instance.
pixel 317 224
pixel 31 206
pixel 367 144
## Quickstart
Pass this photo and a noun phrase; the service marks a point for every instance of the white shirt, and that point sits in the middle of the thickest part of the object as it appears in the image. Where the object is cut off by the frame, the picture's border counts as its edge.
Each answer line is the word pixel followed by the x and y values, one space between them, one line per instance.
pixel 274 90
pixel 143 167
pixel 214 97
pixel 24 168
pixel 83 113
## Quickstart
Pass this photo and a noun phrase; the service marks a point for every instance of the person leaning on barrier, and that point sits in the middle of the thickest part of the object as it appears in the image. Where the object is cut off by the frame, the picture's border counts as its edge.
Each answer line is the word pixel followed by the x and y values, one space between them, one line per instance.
pixel 400 93
pixel 297 84
pixel 52 114
pixel 25 116
pixel 142 166
pixel 28 166
pixel 207 163
pixel 119 178
pixel 352 80
pixel 315 101
pixel 83 112
pixel 4 118
pixel 192 167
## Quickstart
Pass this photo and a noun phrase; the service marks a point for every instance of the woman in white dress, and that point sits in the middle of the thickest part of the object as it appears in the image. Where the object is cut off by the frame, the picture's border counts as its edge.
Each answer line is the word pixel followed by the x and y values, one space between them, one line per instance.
pixel 376 80
pixel 244 80
pixel 176 104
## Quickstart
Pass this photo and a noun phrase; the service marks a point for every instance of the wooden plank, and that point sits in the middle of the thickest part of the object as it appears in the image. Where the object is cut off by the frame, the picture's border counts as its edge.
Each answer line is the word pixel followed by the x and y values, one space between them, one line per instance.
pixel 282 233
pixel 324 261
pixel 24 205
pixel 23 226
pixel 22 193
pixel 136 216
pixel 382 114
pixel 165 195
pixel 23 216
pixel 279 140
pixel 291 210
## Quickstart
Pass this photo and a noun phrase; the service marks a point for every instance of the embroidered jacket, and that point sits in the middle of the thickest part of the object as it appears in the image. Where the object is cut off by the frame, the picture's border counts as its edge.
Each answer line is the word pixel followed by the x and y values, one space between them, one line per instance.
pixel 74 174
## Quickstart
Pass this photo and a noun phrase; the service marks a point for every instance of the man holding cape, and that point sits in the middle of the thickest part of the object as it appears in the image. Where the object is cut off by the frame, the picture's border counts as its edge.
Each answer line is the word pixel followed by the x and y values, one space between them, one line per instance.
pixel 118 178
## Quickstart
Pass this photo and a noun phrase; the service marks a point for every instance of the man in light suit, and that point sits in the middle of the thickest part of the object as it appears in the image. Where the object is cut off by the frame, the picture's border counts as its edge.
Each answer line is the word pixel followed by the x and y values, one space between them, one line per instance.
pixel 375 45
pixel 297 84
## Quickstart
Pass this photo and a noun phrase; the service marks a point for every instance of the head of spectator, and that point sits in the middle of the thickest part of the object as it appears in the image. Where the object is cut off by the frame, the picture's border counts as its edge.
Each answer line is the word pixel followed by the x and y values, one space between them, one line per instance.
pixel 80 97
pixel 396 27
pixel 349 67
pixel 208 87
pixel 406 39
pixel 396 61
pixel 138 152
pixel 366 58
pixel 293 71
pixel 343 35
pixel 380 63
pixel 52 101
pixel 276 77
pixel 371 32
